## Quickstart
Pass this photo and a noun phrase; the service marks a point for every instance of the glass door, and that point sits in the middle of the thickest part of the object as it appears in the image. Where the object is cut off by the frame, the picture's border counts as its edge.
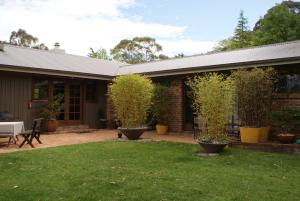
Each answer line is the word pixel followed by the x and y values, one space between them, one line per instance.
pixel 74 102
pixel 59 89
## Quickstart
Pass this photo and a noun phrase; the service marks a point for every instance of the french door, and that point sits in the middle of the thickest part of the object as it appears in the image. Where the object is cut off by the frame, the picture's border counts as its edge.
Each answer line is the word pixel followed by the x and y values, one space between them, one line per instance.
pixel 71 112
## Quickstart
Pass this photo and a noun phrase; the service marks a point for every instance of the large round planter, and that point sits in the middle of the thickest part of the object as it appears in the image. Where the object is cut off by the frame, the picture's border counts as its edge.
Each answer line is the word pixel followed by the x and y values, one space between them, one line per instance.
pixel 132 133
pixel 264 134
pixel 161 129
pixel 249 134
pixel 213 148
pixel 286 138
pixel 51 125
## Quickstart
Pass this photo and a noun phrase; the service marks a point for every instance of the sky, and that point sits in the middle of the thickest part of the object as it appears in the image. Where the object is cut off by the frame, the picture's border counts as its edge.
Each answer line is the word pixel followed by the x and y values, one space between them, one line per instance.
pixel 180 26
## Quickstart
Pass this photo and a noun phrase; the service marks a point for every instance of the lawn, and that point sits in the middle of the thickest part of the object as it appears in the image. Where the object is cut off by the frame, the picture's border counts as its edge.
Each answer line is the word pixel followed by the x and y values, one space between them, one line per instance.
pixel 147 171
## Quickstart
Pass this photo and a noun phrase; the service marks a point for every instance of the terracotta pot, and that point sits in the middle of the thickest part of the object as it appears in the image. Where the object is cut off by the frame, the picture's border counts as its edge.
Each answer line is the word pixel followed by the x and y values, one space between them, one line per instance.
pixel 52 125
pixel 161 129
pixel 286 138
pixel 249 134
pixel 133 133
pixel 264 134
pixel 213 148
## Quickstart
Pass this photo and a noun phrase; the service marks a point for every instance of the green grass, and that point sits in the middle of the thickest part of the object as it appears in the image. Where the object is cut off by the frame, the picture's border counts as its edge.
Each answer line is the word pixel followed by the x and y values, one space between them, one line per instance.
pixel 147 171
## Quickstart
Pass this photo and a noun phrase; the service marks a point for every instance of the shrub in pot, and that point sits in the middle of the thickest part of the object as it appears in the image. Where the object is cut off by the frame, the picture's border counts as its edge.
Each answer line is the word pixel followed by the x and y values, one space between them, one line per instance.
pixel 160 108
pixel 131 97
pixel 213 97
pixel 286 119
pixel 255 90
pixel 51 111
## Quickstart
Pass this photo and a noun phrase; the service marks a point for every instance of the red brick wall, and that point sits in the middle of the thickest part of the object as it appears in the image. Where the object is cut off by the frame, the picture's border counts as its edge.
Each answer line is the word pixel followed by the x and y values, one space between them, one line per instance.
pixel 176 105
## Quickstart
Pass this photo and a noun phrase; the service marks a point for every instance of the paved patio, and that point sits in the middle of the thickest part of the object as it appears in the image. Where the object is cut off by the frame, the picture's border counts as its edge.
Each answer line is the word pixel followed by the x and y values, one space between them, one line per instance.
pixel 55 140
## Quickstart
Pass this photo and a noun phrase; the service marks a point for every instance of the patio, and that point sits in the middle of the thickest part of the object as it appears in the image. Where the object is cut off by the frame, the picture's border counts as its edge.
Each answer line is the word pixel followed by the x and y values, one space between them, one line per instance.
pixel 55 140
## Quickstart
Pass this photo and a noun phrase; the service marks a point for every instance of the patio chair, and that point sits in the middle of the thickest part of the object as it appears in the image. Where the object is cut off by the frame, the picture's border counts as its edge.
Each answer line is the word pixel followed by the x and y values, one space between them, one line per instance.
pixel 34 133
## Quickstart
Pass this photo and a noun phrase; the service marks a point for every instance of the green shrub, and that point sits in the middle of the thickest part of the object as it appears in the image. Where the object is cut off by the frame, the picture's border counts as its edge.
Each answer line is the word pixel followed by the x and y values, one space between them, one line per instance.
pixel 51 111
pixel 287 119
pixel 131 96
pixel 254 89
pixel 213 97
pixel 160 107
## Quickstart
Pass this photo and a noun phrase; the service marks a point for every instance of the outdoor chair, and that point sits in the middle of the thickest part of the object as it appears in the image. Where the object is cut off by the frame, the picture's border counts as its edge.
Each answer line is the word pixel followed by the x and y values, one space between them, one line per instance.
pixel 34 133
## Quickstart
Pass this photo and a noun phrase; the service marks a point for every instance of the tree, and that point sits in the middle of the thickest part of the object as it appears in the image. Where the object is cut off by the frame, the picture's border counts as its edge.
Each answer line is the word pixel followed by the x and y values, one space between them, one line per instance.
pixel 101 53
pixel 163 57
pixel 281 23
pixel 179 55
pixel 24 39
pixel 240 39
pixel 137 50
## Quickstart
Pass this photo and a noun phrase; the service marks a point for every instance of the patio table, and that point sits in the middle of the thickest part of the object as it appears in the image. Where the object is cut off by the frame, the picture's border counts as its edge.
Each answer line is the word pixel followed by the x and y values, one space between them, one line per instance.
pixel 12 128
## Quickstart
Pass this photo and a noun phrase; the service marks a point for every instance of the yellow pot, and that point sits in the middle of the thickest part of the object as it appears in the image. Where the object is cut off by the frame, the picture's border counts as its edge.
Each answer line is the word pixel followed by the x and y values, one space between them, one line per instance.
pixel 161 129
pixel 264 134
pixel 250 135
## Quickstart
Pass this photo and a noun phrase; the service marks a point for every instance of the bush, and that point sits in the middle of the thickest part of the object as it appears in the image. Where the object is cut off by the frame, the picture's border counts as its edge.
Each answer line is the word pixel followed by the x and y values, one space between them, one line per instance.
pixel 51 111
pixel 160 108
pixel 213 98
pixel 254 89
pixel 131 97
pixel 286 119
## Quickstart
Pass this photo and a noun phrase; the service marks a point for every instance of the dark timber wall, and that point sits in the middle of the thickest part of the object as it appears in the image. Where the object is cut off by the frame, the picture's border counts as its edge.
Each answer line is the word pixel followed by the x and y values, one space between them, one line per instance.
pixel 15 92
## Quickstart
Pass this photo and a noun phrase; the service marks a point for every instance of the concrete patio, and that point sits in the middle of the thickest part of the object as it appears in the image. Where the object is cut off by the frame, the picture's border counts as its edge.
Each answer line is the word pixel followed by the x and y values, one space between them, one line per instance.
pixel 55 140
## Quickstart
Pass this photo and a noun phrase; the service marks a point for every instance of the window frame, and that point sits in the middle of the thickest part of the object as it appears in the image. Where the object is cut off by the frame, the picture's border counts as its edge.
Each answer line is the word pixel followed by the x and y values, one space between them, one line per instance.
pixel 34 81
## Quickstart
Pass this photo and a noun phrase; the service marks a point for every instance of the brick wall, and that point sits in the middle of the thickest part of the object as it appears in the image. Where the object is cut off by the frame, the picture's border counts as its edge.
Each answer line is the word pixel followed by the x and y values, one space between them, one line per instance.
pixel 176 106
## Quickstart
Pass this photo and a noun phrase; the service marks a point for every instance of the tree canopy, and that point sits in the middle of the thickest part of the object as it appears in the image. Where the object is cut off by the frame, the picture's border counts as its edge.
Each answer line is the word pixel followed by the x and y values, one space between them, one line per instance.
pixel 24 39
pixel 137 50
pixel 281 23
pixel 101 53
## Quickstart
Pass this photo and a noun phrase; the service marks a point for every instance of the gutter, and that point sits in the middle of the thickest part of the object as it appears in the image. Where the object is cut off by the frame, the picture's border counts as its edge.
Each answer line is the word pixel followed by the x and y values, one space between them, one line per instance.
pixel 54 72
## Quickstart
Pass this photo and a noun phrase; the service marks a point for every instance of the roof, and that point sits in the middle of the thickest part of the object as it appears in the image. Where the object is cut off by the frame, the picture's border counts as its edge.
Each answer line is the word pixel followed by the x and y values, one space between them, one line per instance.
pixel 30 60
pixel 267 54
pixel 50 61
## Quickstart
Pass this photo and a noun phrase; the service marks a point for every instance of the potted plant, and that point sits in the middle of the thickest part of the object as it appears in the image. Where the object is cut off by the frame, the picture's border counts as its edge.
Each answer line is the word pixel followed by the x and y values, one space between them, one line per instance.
pixel 160 108
pixel 51 111
pixel 213 99
pixel 131 97
pixel 286 119
pixel 255 90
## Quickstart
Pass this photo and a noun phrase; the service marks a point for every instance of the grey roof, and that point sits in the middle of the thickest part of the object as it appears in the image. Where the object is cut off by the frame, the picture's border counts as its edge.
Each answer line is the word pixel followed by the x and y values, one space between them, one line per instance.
pixel 256 55
pixel 43 60
pixel 49 62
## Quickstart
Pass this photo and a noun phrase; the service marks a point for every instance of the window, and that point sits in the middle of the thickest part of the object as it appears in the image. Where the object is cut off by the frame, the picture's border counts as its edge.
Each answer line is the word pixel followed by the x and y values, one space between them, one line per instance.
pixel 91 92
pixel 40 90
pixel 289 83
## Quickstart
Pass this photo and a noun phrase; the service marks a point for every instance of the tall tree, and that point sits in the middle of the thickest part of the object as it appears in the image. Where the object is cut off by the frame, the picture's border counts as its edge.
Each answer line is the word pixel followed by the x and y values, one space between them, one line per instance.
pixel 240 39
pixel 101 53
pixel 281 23
pixel 24 39
pixel 137 50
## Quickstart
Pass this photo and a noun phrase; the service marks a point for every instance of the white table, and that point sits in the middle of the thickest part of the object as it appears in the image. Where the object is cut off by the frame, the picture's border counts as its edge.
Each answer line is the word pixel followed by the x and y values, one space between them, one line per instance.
pixel 12 128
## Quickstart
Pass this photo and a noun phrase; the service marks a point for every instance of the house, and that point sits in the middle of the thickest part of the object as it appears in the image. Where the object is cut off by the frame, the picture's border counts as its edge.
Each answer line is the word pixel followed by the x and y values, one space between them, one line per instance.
pixel 30 77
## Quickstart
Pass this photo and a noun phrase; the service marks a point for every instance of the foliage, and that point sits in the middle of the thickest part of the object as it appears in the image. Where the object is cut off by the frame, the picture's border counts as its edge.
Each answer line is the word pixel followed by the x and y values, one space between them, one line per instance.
pixel 281 23
pixel 213 139
pixel 287 119
pixel 254 89
pixel 213 97
pixel 131 96
pixel 24 39
pixel 163 57
pixel 179 55
pixel 51 111
pixel 160 107
pixel 241 37
pixel 137 50
pixel 99 54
